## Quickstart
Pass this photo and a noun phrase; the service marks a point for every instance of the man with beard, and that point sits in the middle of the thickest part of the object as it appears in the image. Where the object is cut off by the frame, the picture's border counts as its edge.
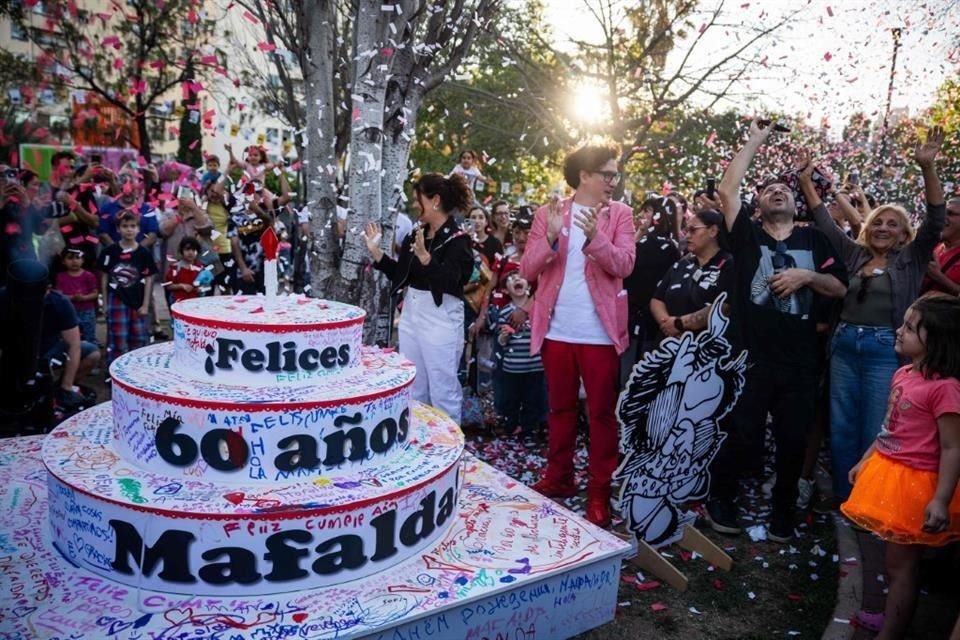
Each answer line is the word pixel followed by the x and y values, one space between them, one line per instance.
pixel 782 270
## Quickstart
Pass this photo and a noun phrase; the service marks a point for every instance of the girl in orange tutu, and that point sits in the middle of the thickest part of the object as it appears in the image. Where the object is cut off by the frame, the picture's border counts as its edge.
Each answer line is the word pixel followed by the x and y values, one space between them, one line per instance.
pixel 904 488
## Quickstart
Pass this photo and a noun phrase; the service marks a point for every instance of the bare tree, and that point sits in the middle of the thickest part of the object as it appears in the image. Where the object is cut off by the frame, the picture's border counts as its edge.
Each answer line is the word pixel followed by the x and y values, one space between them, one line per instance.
pixel 633 61
pixel 398 53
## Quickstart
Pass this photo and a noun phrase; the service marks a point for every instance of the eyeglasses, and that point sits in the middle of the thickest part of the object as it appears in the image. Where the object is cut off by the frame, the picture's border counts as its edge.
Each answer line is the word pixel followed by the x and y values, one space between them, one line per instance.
pixel 610 177
pixel 779 255
pixel 692 228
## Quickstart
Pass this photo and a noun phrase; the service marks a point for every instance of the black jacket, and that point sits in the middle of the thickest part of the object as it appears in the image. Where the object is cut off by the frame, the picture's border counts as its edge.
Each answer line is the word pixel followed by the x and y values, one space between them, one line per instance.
pixel 450 267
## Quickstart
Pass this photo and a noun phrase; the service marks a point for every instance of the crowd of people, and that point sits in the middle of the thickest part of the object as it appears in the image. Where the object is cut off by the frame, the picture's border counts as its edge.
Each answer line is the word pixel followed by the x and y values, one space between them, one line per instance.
pixel 109 238
pixel 849 313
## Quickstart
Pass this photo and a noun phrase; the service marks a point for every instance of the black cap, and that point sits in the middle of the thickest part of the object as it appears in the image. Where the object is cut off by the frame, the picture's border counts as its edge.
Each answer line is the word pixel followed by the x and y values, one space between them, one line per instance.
pixel 523 218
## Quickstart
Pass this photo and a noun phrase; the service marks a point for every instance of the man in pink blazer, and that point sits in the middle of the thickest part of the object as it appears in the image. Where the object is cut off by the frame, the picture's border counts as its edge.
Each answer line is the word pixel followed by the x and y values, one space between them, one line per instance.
pixel 578 251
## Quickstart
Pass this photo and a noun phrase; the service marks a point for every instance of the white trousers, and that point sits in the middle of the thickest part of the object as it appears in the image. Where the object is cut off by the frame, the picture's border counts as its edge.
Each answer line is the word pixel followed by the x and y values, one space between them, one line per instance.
pixel 432 338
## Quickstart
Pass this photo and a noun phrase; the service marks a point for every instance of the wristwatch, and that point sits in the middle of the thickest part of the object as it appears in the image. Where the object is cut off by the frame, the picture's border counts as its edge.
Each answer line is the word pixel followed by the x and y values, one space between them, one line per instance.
pixel 678 323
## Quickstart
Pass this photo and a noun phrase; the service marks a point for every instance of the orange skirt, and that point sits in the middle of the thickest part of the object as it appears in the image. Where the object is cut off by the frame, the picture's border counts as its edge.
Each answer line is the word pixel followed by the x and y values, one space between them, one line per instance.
pixel 889 499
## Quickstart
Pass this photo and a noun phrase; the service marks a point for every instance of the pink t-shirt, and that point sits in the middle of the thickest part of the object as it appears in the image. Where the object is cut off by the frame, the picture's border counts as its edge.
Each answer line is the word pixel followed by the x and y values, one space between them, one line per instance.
pixel 909 433
pixel 70 285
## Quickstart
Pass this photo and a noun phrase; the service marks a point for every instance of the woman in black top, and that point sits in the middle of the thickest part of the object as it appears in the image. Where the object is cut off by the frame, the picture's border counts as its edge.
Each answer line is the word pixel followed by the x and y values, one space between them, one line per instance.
pixel 684 297
pixel 435 262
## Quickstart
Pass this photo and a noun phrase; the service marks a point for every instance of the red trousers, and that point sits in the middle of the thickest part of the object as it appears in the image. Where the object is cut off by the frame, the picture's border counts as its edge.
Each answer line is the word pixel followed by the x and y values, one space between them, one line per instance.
pixel 564 364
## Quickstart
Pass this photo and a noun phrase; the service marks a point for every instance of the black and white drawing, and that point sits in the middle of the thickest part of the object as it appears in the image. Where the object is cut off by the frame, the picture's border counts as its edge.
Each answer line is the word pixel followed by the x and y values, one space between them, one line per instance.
pixel 669 414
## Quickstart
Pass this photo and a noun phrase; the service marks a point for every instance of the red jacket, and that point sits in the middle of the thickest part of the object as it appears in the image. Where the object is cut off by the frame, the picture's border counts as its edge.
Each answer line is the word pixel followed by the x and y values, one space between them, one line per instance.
pixel 610 257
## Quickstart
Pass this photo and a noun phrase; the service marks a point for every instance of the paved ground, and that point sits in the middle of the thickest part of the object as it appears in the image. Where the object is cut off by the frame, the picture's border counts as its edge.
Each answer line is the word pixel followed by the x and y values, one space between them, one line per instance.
pixel 862 585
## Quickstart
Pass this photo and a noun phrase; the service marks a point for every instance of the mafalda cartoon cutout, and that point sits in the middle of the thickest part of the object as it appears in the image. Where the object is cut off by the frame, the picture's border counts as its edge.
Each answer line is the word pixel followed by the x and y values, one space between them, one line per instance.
pixel 669 414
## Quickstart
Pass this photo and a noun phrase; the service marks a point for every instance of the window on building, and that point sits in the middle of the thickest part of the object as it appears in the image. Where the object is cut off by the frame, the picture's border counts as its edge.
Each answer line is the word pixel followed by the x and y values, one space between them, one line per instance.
pixel 17 32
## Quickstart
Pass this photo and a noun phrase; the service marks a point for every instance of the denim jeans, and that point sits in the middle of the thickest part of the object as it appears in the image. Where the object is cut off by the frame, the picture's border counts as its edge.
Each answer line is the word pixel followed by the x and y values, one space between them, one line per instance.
pixel 789 394
pixel 862 364
pixel 87 320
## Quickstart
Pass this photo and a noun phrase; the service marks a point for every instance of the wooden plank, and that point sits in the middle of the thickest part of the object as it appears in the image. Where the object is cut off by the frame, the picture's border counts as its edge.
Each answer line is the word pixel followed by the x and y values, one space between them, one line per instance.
pixel 650 560
pixel 693 540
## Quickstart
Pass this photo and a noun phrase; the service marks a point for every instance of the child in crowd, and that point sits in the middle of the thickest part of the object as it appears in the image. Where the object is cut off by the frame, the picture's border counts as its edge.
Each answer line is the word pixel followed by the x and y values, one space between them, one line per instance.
pixel 212 174
pixel 127 280
pixel 254 166
pixel 905 487
pixel 182 274
pixel 524 392
pixel 80 287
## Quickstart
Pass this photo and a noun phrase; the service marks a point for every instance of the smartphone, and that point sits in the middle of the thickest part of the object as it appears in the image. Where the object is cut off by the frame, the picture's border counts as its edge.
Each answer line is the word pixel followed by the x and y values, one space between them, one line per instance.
pixel 776 126
pixel 11 176
pixel 853 177
pixel 711 188
pixel 183 192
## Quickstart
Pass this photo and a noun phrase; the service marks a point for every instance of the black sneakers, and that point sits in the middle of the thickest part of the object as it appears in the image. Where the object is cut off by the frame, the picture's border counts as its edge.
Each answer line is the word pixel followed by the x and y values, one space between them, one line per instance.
pixel 781 527
pixel 721 515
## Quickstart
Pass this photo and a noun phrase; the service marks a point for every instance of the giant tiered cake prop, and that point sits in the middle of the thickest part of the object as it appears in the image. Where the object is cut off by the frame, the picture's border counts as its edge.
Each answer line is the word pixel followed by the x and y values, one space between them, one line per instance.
pixel 265 475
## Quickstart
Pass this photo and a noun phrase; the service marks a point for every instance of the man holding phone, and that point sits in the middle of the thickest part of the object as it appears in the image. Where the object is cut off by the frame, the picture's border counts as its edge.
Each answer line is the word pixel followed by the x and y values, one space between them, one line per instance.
pixel 783 268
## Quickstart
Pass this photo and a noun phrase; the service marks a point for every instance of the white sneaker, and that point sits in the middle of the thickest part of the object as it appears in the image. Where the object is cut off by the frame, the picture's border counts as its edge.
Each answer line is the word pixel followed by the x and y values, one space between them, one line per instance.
pixel 806 488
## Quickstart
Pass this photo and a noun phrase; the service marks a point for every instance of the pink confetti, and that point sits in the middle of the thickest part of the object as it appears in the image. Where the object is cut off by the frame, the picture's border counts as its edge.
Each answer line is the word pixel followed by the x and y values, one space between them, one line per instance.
pixel 827 56
pixel 657 607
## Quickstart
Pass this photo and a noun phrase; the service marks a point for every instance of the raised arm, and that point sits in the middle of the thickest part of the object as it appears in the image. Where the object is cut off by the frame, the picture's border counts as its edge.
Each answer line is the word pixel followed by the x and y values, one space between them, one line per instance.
pixel 729 188
pixel 842 243
pixel 284 186
pixel 928 235
pixel 926 157
pixel 853 215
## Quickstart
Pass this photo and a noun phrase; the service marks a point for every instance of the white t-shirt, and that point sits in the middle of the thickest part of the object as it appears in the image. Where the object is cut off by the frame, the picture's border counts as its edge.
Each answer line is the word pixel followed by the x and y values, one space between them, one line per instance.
pixel 471 175
pixel 575 316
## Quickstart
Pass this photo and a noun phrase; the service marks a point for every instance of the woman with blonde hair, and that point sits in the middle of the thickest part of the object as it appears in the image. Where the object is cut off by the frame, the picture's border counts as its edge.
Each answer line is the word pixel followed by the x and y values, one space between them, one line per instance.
pixel 886 265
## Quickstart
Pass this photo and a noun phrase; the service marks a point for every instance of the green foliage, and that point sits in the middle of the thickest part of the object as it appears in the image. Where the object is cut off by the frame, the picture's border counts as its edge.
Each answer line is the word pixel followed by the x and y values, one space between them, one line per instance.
pixel 496 107
pixel 945 112
pixel 14 132
pixel 190 151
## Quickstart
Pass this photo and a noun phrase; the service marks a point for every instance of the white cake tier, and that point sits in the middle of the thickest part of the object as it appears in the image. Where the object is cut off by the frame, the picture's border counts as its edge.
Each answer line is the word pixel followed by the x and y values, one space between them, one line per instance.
pixel 253 340
pixel 201 537
pixel 170 424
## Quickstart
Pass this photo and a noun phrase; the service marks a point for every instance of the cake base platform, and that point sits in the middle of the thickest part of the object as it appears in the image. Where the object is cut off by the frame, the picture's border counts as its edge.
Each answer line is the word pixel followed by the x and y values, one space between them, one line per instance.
pixel 513 565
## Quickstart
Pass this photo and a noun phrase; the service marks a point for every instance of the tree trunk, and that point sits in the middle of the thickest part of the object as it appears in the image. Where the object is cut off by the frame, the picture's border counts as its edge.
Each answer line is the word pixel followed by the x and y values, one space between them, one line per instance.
pixel 359 283
pixel 140 120
pixel 319 161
